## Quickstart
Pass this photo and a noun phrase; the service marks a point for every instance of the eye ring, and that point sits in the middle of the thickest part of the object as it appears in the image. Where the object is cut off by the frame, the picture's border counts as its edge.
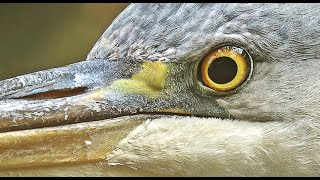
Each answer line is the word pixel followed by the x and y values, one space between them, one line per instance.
pixel 233 58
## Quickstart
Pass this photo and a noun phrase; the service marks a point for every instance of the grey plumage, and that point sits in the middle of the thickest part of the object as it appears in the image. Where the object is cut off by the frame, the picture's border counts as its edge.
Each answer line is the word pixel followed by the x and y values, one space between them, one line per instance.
pixel 269 126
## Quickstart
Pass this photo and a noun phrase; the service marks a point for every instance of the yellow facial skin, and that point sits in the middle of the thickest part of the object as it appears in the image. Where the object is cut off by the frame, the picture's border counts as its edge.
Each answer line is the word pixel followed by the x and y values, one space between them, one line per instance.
pixel 241 69
pixel 149 81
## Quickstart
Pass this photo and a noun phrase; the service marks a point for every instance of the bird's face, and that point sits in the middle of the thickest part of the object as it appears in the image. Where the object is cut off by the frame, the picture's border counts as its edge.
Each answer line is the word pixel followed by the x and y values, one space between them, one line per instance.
pixel 280 41
pixel 148 98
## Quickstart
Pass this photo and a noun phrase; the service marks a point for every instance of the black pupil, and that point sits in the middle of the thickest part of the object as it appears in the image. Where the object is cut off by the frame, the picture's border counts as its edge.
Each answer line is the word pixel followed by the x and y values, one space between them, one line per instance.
pixel 222 70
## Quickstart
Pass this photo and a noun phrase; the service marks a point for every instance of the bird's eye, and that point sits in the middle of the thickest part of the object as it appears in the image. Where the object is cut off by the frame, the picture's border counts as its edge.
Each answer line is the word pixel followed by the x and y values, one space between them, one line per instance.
pixel 225 69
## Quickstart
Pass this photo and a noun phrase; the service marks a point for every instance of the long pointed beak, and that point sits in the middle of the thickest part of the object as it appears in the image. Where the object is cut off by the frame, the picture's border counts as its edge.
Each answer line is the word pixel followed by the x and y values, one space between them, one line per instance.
pixel 36 108
pixel 78 113
pixel 57 96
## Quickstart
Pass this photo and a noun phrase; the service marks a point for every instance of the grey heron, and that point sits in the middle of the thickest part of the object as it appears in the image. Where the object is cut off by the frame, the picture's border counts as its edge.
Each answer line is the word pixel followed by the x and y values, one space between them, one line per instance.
pixel 175 90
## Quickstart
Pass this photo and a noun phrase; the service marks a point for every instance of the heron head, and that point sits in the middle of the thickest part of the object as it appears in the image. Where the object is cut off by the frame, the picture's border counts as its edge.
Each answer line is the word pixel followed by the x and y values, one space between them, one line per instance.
pixel 180 87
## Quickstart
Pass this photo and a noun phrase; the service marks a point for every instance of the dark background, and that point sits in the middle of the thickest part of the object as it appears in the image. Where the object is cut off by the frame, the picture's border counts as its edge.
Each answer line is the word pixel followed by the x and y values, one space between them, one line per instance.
pixel 38 36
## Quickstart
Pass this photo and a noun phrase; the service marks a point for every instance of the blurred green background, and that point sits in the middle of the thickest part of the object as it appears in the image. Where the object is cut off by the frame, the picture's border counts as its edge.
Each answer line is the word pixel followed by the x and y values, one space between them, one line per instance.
pixel 37 36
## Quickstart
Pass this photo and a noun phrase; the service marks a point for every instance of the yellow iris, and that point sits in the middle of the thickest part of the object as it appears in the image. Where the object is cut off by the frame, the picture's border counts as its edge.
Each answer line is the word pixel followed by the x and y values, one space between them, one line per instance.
pixel 227 53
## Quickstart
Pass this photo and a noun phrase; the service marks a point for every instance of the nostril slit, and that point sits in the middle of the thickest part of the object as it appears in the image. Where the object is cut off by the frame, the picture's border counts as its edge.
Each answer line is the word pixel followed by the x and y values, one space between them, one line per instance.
pixel 54 94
